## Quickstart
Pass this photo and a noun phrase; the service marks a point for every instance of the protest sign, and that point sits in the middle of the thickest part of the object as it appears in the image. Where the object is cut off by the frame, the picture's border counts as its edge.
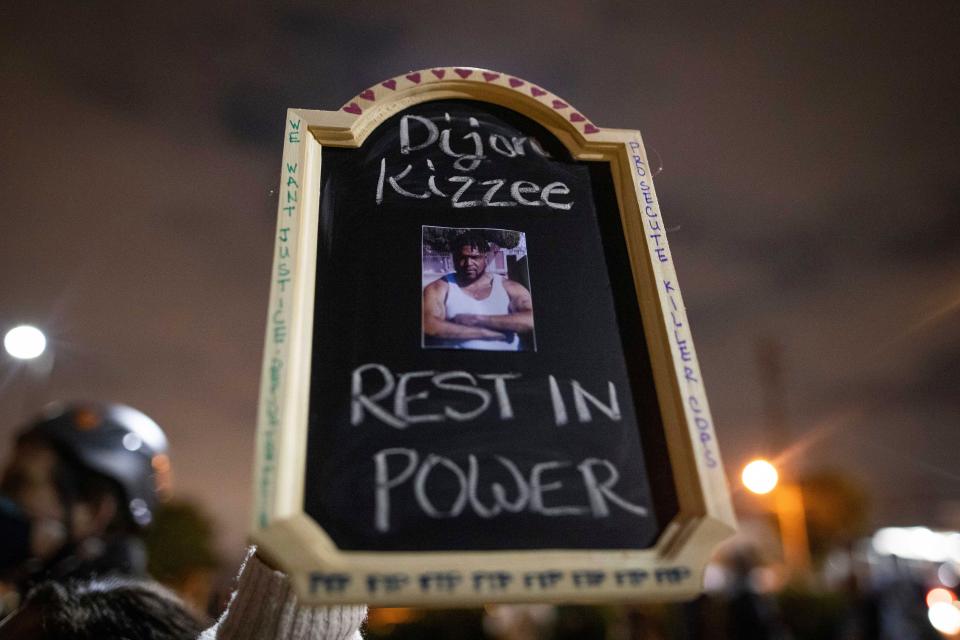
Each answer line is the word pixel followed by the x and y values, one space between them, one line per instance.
pixel 479 382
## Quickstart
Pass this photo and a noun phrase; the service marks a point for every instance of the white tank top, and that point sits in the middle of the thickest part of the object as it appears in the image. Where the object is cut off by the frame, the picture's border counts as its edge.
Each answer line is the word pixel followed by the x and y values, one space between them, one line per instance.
pixel 496 304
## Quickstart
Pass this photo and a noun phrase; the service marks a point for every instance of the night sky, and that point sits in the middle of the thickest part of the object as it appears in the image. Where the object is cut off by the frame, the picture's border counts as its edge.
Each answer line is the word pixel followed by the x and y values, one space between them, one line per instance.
pixel 810 180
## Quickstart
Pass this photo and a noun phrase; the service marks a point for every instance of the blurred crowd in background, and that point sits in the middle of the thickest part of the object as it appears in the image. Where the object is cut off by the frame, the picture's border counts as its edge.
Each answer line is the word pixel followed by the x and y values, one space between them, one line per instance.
pixel 86 491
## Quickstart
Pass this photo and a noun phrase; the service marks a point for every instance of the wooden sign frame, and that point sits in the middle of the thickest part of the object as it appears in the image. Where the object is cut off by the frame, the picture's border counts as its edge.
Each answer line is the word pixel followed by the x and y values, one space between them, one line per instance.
pixel 671 569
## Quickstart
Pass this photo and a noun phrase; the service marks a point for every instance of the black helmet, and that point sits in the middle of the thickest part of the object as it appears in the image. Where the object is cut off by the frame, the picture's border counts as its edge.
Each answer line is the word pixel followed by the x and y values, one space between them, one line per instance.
pixel 117 442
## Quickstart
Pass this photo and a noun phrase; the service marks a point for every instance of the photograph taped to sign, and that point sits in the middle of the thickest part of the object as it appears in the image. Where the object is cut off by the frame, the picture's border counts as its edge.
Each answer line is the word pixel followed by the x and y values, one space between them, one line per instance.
pixel 476 290
pixel 402 460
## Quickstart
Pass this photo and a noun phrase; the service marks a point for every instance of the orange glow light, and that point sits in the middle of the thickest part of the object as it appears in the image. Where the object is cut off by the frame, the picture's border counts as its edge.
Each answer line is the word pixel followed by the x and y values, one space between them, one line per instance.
pixel 940 594
pixel 760 477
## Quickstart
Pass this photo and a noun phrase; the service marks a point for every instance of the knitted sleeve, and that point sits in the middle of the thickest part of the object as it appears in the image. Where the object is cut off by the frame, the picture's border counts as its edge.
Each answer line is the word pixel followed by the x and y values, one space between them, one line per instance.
pixel 264 606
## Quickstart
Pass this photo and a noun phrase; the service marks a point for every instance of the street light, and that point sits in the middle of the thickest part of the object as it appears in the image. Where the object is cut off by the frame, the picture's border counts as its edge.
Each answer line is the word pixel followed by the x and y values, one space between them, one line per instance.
pixel 760 477
pixel 25 342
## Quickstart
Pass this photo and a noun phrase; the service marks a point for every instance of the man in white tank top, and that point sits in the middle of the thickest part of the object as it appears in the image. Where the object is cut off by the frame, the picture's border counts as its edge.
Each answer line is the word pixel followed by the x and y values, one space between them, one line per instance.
pixel 473 309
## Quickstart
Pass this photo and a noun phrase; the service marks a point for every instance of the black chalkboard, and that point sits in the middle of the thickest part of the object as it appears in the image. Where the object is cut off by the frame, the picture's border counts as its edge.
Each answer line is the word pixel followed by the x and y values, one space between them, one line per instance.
pixel 420 479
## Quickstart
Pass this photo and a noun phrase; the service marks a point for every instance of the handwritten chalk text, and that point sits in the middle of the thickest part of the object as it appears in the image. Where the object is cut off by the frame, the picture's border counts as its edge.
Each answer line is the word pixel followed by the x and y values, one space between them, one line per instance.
pixel 380 393
pixel 473 148
pixel 528 491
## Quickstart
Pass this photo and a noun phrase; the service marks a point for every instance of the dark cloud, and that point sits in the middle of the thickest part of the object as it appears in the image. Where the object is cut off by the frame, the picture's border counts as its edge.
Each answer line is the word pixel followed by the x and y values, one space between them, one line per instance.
pixel 938 380
pixel 249 112
pixel 931 235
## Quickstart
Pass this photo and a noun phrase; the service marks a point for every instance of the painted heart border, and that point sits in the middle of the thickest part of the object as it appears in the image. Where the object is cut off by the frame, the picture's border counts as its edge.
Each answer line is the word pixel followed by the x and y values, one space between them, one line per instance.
pixel 359 103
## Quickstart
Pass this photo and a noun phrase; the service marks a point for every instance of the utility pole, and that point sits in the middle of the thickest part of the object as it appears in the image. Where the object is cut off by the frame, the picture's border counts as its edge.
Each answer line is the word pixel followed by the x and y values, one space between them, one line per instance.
pixel 787 497
pixel 773 395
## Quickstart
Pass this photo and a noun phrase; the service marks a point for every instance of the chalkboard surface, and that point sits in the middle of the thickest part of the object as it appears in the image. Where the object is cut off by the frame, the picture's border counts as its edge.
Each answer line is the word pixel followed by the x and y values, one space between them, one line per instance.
pixel 559 445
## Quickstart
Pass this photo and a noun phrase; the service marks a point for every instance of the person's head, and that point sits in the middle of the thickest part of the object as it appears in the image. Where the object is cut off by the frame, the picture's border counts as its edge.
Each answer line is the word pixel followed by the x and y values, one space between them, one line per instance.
pixel 470 250
pixel 95 609
pixel 84 472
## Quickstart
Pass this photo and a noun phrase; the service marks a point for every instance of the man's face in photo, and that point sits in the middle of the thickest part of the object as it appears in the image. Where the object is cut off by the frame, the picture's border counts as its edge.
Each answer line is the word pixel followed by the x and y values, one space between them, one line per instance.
pixel 470 263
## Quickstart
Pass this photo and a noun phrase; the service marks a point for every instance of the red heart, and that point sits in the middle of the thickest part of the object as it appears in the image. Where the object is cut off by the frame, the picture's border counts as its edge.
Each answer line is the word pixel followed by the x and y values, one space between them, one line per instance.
pixel 463 73
pixel 576 117
pixel 367 95
pixel 516 83
pixel 438 72
pixel 490 77
pixel 414 78
pixel 589 128
pixel 390 84
pixel 353 108
pixel 560 104
pixel 537 92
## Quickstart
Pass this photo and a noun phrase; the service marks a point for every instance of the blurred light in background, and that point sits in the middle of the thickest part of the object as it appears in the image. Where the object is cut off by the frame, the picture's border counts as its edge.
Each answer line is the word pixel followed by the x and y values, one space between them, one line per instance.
pixel 25 342
pixel 715 578
pixel 759 476
pixel 918 543
pixel 940 595
pixel 382 620
pixel 948 575
pixel 945 617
